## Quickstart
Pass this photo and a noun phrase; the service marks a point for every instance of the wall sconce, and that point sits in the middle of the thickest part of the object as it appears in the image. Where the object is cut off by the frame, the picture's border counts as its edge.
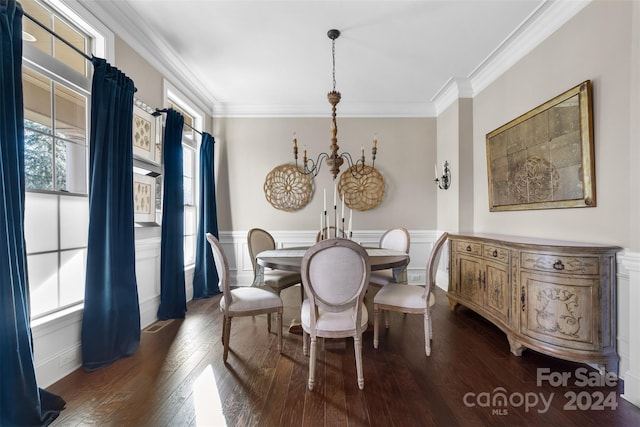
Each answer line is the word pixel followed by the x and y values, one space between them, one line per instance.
pixel 444 181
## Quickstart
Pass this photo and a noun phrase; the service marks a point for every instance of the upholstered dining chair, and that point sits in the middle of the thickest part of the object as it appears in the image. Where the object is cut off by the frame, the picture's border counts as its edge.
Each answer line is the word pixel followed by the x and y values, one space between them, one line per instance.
pixel 329 233
pixel 244 300
pixel 259 240
pixel 411 299
pixel 397 239
pixel 335 274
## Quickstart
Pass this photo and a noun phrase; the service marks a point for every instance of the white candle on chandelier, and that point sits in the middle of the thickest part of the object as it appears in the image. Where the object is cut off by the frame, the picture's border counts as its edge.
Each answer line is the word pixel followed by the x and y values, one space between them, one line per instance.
pixel 335 194
pixel 350 221
pixel 325 200
pixel 343 209
pixel 436 169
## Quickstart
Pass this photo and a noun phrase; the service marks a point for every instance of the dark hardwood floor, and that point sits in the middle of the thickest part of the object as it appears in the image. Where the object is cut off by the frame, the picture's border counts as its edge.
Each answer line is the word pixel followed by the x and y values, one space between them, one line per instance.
pixel 177 378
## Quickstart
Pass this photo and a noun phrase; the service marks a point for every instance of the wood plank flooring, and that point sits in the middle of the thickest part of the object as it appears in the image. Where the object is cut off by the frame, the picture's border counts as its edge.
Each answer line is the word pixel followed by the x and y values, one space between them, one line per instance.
pixel 177 378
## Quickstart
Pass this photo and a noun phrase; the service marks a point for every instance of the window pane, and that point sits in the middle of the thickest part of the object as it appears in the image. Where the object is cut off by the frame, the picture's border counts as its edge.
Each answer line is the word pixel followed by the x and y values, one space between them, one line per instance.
pixel 38 160
pixel 41 222
pixel 43 282
pixel 70 108
pixel 189 249
pixel 43 38
pixel 64 53
pixel 37 100
pixel 72 276
pixel 71 172
pixel 74 222
pixel 189 220
pixel 188 191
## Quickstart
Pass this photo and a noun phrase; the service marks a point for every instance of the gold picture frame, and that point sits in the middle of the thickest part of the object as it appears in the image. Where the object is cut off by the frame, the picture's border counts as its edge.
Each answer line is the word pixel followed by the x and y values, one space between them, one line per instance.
pixel 544 159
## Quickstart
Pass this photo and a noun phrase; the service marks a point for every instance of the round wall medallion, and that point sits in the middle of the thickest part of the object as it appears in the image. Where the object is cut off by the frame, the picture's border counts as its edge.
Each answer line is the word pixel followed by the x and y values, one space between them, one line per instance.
pixel 287 188
pixel 363 191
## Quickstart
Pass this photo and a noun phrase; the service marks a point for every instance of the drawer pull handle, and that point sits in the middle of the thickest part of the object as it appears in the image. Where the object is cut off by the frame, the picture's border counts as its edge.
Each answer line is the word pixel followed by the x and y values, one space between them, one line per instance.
pixel 468 248
pixel 495 253
pixel 558 265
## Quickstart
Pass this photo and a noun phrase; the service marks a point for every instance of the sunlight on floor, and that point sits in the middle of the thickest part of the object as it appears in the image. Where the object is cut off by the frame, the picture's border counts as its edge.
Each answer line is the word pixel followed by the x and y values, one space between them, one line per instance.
pixel 207 400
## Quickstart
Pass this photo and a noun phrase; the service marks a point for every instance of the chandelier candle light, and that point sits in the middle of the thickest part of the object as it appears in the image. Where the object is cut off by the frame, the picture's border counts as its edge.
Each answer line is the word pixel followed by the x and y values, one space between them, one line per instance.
pixel 334 160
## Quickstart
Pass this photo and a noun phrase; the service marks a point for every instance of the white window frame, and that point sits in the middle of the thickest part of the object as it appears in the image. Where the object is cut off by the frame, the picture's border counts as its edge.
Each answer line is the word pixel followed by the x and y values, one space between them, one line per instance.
pixel 171 93
pixel 101 43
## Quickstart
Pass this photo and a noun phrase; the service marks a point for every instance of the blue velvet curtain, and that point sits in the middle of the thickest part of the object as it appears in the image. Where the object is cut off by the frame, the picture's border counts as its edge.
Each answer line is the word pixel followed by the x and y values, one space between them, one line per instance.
pixel 111 319
pixel 173 299
pixel 22 403
pixel 205 279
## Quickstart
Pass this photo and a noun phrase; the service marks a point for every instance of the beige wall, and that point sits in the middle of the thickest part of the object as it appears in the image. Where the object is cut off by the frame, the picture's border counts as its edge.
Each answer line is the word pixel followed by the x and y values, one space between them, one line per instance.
pixel 248 148
pixel 595 45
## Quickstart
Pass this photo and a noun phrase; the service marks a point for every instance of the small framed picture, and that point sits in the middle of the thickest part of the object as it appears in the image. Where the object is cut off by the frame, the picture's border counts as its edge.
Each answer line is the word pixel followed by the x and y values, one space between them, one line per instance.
pixel 146 141
pixel 144 198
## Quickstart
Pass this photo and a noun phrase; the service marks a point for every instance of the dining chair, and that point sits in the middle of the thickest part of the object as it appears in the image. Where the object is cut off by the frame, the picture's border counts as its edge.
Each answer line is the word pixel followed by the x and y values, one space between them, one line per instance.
pixel 335 274
pixel 397 239
pixel 329 233
pixel 411 299
pixel 259 240
pixel 243 300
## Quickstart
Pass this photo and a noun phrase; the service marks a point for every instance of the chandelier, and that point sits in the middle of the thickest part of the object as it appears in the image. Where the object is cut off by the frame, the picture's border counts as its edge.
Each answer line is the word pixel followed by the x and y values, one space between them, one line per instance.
pixel 334 159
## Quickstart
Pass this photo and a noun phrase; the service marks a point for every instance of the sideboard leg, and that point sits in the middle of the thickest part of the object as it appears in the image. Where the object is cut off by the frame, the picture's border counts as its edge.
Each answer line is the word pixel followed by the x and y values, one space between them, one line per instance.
pixel 515 346
pixel 453 304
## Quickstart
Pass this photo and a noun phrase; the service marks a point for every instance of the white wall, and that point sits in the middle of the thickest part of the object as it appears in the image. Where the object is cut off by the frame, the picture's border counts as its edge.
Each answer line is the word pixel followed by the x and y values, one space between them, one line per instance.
pixel 594 45
pixel 247 149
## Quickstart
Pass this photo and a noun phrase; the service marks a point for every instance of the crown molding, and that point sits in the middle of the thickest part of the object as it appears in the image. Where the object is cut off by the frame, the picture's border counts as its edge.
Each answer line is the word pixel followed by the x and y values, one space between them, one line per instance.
pixel 127 24
pixel 537 27
pixel 353 110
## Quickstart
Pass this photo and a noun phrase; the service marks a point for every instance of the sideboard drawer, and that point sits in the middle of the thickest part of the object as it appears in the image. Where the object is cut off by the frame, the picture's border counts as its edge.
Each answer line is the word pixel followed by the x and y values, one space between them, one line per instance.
pixel 560 264
pixel 467 247
pixel 496 253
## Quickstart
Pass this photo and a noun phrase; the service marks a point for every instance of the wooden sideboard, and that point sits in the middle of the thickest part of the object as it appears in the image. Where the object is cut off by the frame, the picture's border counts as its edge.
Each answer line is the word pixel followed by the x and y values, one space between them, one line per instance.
pixel 558 298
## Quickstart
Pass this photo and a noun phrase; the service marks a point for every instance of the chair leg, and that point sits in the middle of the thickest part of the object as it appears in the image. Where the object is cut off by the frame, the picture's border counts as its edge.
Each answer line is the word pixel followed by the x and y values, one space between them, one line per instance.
pixel 357 344
pixel 224 325
pixel 305 343
pixel 279 326
pixel 427 337
pixel 227 334
pixel 312 361
pixel 301 293
pixel 376 324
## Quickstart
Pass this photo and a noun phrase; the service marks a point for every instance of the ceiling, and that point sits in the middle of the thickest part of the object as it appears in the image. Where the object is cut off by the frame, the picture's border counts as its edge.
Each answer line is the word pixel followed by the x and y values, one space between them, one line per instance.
pixel 273 58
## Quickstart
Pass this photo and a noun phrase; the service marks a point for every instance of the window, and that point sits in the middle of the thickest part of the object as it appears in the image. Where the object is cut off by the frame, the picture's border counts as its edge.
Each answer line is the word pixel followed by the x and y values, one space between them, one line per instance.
pixel 190 144
pixel 56 87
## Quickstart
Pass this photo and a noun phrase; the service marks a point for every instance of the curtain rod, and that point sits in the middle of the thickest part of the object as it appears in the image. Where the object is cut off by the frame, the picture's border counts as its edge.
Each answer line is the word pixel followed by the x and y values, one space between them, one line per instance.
pixel 164 110
pixel 53 33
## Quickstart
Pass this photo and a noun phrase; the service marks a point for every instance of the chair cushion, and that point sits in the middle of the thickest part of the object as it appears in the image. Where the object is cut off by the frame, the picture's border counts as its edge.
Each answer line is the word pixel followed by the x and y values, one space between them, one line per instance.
pixel 382 277
pixel 328 321
pixel 281 279
pixel 409 296
pixel 249 298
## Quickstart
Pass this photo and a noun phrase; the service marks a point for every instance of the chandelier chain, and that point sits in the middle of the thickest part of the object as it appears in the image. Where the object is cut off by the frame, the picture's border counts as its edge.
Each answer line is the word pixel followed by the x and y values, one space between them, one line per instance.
pixel 333 56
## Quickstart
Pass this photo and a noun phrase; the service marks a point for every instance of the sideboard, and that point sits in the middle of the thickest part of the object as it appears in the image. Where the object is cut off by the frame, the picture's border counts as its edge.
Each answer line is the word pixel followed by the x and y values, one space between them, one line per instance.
pixel 554 297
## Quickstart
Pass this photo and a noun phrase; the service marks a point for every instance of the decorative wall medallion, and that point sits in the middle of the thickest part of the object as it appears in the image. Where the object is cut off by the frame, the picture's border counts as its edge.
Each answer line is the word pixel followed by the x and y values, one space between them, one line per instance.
pixel 287 188
pixel 536 180
pixel 364 192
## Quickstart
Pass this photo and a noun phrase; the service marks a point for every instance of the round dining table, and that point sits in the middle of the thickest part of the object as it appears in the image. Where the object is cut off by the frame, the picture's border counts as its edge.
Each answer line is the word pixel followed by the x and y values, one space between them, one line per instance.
pixel 290 259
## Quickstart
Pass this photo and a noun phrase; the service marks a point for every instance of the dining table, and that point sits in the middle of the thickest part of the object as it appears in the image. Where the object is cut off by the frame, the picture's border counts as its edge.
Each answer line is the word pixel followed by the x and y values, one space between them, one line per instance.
pixel 290 259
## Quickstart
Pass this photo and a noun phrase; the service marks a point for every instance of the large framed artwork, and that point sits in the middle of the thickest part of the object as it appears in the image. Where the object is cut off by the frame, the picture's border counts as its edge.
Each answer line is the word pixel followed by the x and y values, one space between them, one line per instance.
pixel 144 199
pixel 544 159
pixel 146 138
